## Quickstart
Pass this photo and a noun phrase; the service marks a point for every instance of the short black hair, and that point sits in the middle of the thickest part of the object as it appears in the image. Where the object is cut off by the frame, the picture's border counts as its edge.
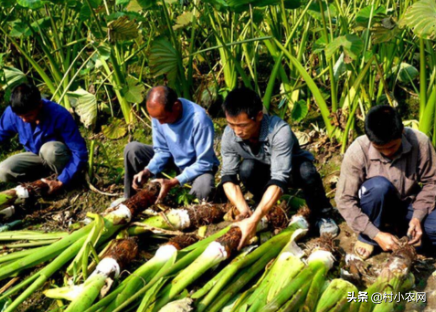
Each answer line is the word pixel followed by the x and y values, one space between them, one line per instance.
pixel 242 100
pixel 25 98
pixel 383 124
pixel 168 98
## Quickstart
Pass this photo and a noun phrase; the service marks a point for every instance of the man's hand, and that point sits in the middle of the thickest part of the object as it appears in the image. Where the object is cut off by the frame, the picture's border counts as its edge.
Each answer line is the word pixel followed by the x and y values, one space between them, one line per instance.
pixel 415 232
pixel 386 241
pixel 165 186
pixel 248 229
pixel 140 179
pixel 53 186
pixel 243 213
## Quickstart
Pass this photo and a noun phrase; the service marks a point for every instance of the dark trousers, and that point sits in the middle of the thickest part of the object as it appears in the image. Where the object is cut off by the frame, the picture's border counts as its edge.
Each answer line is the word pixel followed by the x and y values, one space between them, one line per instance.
pixel 380 201
pixel 255 175
pixel 138 155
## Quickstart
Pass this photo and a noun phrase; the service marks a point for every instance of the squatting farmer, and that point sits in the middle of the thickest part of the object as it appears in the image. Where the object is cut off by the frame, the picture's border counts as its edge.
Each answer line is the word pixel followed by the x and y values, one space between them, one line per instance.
pixel 49 135
pixel 183 137
pixel 387 185
pixel 272 161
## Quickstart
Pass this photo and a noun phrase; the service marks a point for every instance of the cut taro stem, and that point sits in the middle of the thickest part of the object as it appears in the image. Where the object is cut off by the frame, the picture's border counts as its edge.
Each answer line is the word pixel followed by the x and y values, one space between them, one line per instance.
pixel 181 219
pixel 119 254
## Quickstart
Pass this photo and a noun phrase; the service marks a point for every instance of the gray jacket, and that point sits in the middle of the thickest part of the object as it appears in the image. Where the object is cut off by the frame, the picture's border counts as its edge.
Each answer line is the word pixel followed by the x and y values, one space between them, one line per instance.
pixel 278 148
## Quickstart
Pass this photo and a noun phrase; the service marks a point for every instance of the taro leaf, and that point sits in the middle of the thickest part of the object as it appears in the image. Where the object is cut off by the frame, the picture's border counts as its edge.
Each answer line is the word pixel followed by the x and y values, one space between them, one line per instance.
pixel 7 4
pixel 364 15
pixel 115 130
pixel 13 77
pixel 385 31
pixel 32 4
pixel 421 17
pixel 163 59
pixel 122 2
pixel 217 4
pixel 104 51
pixel 315 11
pixel 85 11
pixel 135 91
pixel 147 4
pixel 85 105
pixel 122 29
pixel 183 20
pixel 319 44
pixel 352 45
pixel 299 111
pixel 20 29
pixel 406 72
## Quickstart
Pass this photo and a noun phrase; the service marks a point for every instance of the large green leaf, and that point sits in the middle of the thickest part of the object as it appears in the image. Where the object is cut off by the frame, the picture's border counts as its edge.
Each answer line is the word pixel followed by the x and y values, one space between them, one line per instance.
pixel 299 111
pixel 406 72
pixel 115 130
pixel 386 30
pixel 32 4
pixel 135 91
pixel 315 10
pixel 351 44
pixel 13 77
pixel 421 17
pixel 163 59
pixel 20 29
pixel 85 105
pixel 369 13
pixel 122 29
pixel 85 11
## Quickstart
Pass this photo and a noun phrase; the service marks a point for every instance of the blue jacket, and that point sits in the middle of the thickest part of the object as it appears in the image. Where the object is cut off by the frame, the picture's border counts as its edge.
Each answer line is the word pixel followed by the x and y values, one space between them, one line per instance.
pixel 189 142
pixel 56 124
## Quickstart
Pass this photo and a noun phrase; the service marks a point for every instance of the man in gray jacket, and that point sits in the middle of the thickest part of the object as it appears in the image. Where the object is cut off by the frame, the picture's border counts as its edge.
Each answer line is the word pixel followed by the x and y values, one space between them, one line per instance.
pixel 272 160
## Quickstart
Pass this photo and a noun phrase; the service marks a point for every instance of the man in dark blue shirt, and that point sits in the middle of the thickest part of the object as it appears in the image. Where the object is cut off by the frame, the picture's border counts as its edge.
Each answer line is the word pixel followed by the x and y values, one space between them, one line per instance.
pixel 49 135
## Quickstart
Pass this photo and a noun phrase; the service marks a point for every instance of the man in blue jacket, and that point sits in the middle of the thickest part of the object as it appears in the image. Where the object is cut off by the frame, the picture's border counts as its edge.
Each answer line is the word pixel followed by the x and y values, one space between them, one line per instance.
pixel 183 136
pixel 49 135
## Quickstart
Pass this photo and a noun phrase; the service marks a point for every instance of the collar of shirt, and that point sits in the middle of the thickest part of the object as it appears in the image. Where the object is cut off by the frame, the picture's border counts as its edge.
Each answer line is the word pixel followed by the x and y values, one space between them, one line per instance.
pixel 264 130
pixel 375 155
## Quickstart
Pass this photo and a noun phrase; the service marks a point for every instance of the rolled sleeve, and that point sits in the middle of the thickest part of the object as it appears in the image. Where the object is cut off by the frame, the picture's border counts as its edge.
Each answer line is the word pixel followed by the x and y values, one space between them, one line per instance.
pixel 230 158
pixel 425 200
pixel 351 179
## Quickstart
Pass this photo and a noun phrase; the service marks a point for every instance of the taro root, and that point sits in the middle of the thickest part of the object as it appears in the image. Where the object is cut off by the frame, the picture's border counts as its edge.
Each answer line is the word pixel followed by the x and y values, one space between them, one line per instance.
pixel 180 219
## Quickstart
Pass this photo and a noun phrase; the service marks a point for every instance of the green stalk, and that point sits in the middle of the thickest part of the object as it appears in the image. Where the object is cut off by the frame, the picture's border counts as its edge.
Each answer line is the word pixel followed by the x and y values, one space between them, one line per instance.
pixel 426 123
pixel 241 262
pixel 297 299
pixel 333 298
pixel 185 257
pixel 54 249
pixel 244 277
pixel 422 80
pixel 315 290
pixel 313 88
pixel 31 235
pixel 19 254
